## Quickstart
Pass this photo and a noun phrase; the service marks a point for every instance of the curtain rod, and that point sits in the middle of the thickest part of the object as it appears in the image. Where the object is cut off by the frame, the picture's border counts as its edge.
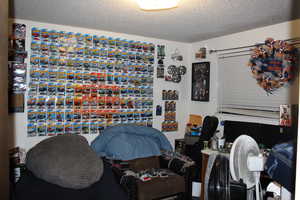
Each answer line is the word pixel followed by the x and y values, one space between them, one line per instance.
pixel 249 46
pixel 237 53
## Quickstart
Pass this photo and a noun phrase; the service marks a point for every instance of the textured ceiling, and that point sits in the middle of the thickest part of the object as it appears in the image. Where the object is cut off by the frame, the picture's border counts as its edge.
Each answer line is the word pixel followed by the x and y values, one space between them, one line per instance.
pixel 193 20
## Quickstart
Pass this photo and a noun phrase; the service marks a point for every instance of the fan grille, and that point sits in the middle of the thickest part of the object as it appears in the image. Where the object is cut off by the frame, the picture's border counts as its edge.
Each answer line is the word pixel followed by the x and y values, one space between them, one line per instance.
pixel 243 147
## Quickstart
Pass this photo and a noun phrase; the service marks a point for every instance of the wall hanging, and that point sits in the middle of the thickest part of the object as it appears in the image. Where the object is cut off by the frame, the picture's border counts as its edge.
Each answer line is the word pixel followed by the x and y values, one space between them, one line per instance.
pixel 272 64
pixel 201 53
pixel 200 81
pixel 160 56
pixel 17 69
pixel 82 83
pixel 170 124
pixel 175 73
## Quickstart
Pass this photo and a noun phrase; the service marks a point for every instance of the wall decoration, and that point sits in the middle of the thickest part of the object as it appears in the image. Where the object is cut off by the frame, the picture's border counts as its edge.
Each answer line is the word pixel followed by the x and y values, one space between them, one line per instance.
pixel 160 71
pixel 272 64
pixel 158 110
pixel 82 83
pixel 176 56
pixel 160 56
pixel 201 53
pixel 170 123
pixel 170 95
pixel 285 115
pixel 200 81
pixel 175 73
pixel 17 69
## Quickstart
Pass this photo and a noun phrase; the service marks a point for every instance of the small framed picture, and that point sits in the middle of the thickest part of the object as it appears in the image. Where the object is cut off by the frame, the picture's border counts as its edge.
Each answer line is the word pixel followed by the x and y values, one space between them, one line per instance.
pixel 285 115
pixel 200 81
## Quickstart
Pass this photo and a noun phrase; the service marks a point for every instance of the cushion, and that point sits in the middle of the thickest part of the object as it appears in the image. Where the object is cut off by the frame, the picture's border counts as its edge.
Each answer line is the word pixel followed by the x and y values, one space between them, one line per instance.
pixel 65 160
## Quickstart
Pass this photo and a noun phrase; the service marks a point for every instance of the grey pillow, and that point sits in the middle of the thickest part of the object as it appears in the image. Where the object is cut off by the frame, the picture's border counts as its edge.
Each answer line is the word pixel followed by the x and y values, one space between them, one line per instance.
pixel 66 160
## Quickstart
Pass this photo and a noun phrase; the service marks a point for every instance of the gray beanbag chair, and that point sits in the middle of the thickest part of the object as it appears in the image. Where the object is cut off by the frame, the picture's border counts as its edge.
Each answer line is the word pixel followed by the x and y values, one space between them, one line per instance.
pixel 66 160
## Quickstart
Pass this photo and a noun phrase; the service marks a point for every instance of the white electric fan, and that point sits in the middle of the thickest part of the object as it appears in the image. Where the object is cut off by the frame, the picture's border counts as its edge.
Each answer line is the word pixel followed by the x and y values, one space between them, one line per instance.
pixel 246 162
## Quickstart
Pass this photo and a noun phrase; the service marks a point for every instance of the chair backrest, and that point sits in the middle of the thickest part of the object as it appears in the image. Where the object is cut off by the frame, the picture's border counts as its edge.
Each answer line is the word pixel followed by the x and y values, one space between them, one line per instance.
pixel 209 127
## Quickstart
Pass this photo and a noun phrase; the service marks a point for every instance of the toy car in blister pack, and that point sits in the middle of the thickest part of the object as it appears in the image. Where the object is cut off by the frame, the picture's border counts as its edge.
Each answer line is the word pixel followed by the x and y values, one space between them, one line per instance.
pixel 70 89
pixel 95 52
pixel 51 115
pixel 86 77
pixel 44 61
pixel 41 102
pixel 70 76
pixel 52 75
pixel 61 37
pixel 85 102
pixel 93 77
pixel 60 115
pixel 78 102
pixel 78 76
pixel 43 75
pixel 68 128
pixel 41 115
pixel 78 90
pixel 60 88
pixel 79 38
pixel 34 60
pixel 35 34
pixel 60 102
pixel 70 63
pixel 31 129
pixel 32 88
pixel 76 127
pixel 69 102
pixel 51 129
pixel 53 49
pixel 45 48
pixel 93 127
pixel 70 38
pixel 88 39
pixel 53 62
pixel 45 35
pixel 31 102
pixel 93 102
pixel 103 53
pixel 79 51
pixel 50 102
pixel 62 50
pixel 59 128
pixel 31 115
pixel 88 52
pixel 53 36
pixel 93 90
pixel 35 47
pixel 94 64
pixel 85 127
pixel 61 62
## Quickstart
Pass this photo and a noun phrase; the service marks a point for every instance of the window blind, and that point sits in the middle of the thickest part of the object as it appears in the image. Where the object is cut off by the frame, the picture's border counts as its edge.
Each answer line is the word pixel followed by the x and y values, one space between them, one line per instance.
pixel 240 94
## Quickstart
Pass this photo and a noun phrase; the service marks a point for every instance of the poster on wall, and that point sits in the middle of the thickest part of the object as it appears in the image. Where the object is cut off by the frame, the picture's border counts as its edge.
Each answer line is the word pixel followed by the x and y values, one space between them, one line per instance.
pixel 200 81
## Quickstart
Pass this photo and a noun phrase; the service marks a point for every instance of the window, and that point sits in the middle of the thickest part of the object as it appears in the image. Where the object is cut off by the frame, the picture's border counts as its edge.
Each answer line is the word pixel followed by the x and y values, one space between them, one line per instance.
pixel 240 94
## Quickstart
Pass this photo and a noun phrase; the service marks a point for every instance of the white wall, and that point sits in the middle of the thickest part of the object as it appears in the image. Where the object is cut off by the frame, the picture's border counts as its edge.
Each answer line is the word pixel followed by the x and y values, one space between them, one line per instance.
pixel 280 31
pixel 18 122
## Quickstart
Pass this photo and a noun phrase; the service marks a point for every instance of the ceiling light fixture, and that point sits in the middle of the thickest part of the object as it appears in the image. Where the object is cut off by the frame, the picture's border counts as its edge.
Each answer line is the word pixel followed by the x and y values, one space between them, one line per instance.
pixel 157 4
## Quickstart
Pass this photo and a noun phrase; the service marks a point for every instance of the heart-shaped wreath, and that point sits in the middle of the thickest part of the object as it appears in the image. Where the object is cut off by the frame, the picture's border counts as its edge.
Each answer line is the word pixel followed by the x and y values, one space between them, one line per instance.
pixel 272 64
